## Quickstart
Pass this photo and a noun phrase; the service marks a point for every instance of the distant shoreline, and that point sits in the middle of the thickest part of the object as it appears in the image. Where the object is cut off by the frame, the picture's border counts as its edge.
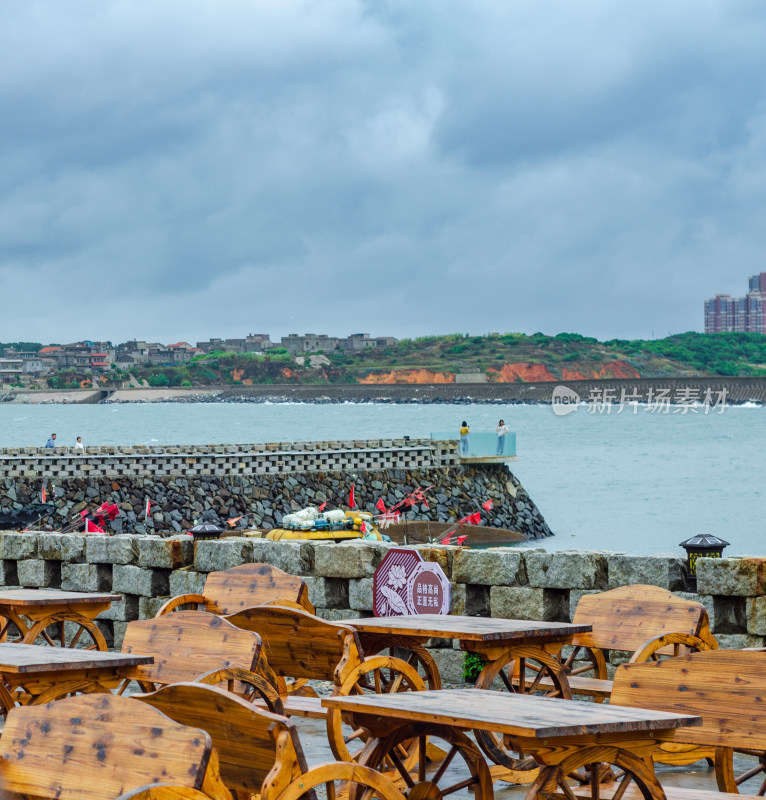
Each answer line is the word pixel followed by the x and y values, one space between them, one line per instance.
pixel 737 391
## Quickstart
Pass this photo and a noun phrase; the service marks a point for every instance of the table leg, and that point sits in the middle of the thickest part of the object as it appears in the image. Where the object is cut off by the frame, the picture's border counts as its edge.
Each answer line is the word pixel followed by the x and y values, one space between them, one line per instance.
pixel 462 767
pixel 70 628
pixel 67 688
pixel 559 780
pixel 6 702
pixel 12 627
pixel 519 670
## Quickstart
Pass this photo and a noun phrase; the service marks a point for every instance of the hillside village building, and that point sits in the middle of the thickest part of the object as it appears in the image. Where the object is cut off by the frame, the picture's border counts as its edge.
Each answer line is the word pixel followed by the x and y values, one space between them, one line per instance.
pixel 297 344
pixel 252 343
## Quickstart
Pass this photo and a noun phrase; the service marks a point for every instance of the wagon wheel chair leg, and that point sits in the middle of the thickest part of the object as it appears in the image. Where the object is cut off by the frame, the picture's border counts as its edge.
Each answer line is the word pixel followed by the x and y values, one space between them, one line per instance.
pixel 413 653
pixel 729 780
pixel 363 783
pixel 586 662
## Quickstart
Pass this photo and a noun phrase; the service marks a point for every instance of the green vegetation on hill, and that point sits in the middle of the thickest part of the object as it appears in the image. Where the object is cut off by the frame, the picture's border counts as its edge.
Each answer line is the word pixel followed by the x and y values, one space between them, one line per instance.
pixel 36 346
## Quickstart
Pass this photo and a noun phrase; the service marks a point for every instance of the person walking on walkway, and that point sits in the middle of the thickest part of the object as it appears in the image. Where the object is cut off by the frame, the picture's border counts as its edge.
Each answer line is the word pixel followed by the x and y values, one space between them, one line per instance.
pixel 501 430
pixel 464 431
pixel 51 443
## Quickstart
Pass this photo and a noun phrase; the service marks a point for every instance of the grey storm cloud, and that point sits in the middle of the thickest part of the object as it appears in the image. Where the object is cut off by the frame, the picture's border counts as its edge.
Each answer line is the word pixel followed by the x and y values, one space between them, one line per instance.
pixel 190 168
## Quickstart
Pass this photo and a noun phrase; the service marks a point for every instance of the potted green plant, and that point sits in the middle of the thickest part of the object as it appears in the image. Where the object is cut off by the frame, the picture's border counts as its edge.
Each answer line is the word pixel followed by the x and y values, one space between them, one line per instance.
pixel 473 664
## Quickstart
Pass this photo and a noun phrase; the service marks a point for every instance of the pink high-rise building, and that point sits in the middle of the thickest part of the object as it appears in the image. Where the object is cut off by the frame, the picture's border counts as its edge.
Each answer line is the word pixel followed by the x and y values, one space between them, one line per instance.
pixel 746 314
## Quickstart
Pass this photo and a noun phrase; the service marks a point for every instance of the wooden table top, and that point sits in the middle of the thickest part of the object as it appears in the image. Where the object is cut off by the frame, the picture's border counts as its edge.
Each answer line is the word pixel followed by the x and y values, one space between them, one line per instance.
pixel 475 629
pixel 514 714
pixel 49 597
pixel 20 659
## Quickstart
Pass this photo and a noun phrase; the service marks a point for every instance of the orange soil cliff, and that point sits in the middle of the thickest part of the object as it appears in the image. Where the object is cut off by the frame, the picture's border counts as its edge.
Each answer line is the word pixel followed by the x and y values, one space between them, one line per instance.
pixel 409 376
pixel 510 373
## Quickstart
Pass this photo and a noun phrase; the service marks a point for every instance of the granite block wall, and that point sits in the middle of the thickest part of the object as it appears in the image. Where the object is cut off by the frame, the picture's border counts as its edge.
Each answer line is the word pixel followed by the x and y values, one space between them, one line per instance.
pixel 519 582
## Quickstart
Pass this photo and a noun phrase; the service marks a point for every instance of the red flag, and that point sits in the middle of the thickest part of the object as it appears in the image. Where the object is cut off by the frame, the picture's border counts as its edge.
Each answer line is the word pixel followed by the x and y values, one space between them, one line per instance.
pixel 351 503
pixel 475 519
pixel 322 507
pixel 461 539
pixel 363 528
pixel 233 521
pixel 445 540
pixel 84 513
pixel 425 503
pixel 148 507
pixel 91 527
pixel 487 506
pixel 381 506
pixel 113 511
pixel 42 495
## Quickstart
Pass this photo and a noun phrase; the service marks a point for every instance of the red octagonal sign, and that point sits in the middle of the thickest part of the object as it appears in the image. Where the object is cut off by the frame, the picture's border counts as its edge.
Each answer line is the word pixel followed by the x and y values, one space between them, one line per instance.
pixel 405 584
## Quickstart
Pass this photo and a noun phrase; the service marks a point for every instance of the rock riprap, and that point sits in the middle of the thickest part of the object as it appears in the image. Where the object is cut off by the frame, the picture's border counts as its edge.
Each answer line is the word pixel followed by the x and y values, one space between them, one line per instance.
pixel 261 501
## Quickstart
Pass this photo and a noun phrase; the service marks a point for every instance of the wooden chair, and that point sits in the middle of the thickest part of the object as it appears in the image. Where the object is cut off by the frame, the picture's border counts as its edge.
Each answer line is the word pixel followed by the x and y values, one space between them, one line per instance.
pixel 241 587
pixel 302 646
pixel 100 747
pixel 259 752
pixel 201 647
pixel 646 621
pixel 725 688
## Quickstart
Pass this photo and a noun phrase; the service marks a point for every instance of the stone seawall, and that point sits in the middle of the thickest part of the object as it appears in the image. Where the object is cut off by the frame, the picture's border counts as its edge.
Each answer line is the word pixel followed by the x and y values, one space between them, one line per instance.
pixel 522 583
pixel 738 390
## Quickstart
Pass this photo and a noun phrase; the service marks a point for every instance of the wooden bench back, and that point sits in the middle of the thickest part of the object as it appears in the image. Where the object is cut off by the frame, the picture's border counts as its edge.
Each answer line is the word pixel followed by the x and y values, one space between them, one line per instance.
pixel 299 645
pixel 187 644
pixel 244 736
pixel 97 747
pixel 624 618
pixel 249 585
pixel 724 687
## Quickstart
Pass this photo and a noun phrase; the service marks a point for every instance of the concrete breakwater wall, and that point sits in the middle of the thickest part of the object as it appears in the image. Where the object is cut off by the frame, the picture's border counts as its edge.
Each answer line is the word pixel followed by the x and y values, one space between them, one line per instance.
pixel 737 390
pixel 262 483
pixel 522 583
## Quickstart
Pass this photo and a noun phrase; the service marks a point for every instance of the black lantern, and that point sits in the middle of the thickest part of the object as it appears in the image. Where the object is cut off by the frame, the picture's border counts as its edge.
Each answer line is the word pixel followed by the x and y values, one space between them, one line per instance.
pixel 702 546
pixel 206 530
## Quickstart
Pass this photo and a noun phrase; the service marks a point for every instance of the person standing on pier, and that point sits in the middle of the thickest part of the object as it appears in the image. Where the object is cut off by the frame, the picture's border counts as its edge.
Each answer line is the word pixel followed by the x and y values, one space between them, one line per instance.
pixel 78 445
pixel 501 430
pixel 51 443
pixel 464 431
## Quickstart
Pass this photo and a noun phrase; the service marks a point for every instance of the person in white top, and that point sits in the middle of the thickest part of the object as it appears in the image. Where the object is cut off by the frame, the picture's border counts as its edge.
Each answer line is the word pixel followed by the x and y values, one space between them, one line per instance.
pixel 78 445
pixel 501 430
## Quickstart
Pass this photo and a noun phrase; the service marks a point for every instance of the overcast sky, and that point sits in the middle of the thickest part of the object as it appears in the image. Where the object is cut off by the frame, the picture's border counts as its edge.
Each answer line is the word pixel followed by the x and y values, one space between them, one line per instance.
pixel 183 169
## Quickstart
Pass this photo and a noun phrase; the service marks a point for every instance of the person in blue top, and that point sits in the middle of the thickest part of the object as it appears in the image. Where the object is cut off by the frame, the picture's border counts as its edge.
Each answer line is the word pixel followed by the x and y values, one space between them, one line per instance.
pixel 51 443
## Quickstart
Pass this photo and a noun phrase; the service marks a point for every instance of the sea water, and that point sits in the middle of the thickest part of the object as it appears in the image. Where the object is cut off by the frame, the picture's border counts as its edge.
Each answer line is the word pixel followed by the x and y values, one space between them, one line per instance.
pixel 637 482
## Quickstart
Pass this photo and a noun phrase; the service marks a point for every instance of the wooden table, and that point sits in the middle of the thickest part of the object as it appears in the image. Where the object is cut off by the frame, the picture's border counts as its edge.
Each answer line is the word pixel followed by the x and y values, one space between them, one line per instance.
pixel 29 615
pixel 519 655
pixel 34 674
pixel 563 736
pixel 495 639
